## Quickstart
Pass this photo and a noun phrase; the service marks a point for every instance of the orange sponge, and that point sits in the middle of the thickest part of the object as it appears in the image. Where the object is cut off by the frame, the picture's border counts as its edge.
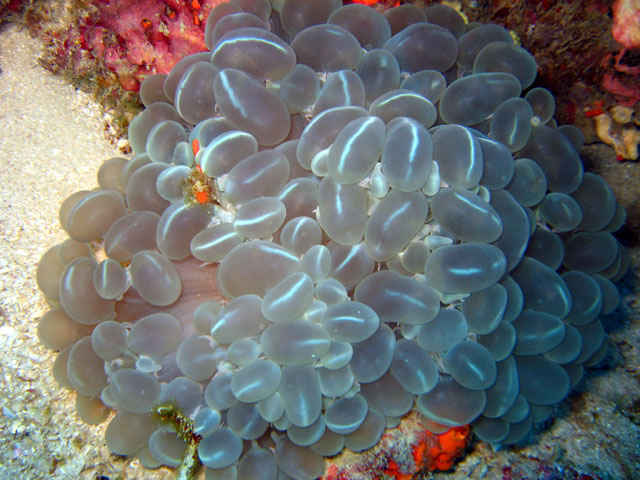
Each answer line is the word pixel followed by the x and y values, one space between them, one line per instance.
pixel 402 452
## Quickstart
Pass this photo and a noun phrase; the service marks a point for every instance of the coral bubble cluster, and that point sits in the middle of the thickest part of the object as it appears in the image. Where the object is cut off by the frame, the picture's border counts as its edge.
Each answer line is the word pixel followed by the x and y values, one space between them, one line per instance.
pixel 332 217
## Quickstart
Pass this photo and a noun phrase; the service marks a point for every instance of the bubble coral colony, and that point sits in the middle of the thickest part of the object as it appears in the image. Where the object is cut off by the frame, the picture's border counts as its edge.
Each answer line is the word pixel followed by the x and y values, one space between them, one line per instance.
pixel 333 217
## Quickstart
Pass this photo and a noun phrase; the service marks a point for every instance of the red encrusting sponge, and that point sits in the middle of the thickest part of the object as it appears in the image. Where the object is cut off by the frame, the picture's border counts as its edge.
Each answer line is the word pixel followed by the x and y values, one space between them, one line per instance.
pixel 402 453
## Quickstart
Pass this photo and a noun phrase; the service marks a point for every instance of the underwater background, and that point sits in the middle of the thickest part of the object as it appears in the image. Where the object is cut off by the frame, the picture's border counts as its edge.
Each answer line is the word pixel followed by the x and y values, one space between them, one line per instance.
pixel 55 136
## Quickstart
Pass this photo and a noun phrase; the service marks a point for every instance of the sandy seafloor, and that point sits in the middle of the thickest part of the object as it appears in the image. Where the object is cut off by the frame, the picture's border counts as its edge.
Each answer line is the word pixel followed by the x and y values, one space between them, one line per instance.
pixel 52 143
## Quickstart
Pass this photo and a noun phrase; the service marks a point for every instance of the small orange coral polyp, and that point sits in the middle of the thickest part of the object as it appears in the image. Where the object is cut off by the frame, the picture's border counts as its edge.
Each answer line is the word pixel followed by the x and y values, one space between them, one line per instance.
pixel 202 197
